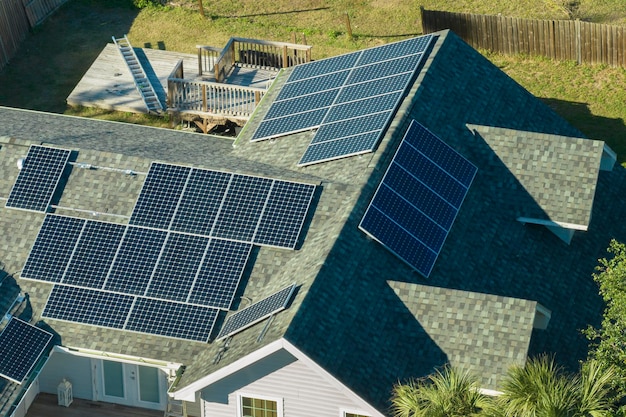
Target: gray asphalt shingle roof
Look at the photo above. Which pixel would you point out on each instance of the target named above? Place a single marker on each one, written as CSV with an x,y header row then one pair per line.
x,y
346,315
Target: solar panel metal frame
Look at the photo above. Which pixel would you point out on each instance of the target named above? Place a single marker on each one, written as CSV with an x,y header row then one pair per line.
x,y
51,184
10,364
415,125
247,317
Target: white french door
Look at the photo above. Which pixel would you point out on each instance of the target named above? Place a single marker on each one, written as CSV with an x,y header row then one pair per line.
x,y
130,384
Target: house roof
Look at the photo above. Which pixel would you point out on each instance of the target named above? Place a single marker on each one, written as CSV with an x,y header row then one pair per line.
x,y
345,315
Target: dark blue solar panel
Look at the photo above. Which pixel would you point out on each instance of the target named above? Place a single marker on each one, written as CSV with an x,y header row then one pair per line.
x,y
398,241
256,312
395,50
324,66
344,112
385,69
220,273
310,86
201,201
284,214
437,179
289,124
365,124
166,318
240,213
53,248
38,178
420,196
21,346
177,267
333,149
442,154
135,261
302,104
94,253
411,220
372,88
159,196
417,201
82,305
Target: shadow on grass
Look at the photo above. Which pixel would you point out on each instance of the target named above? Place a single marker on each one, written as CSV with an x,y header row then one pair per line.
x,y
315,9
611,131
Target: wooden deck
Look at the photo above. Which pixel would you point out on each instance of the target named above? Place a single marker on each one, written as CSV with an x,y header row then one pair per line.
x,y
108,83
45,405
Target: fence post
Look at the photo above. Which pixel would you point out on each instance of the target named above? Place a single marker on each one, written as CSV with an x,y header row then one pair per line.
x,y
578,43
285,63
200,61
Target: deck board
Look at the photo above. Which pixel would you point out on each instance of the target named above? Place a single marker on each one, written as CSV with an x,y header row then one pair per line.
x,y
45,405
108,83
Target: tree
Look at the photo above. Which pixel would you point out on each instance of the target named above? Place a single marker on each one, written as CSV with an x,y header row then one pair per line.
x,y
542,388
609,341
446,393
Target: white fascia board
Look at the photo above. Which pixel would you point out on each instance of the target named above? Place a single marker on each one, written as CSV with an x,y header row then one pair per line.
x,y
188,393
117,357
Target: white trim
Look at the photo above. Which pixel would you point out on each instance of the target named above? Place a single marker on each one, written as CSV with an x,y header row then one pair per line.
x,y
344,411
280,402
552,223
188,393
117,357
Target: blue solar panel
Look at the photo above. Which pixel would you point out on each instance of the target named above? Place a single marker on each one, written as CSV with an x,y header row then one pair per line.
x,y
87,306
284,214
53,248
93,255
136,260
38,178
177,268
394,50
302,104
165,318
346,111
240,213
289,124
221,271
417,201
21,347
345,146
324,66
256,312
201,201
377,81
372,88
160,195
322,83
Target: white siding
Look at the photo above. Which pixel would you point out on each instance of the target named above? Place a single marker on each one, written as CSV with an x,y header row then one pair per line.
x,y
305,393
76,369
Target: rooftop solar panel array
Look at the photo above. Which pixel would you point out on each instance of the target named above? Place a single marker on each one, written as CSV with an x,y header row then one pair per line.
x,y
350,99
38,179
419,198
21,347
225,205
256,312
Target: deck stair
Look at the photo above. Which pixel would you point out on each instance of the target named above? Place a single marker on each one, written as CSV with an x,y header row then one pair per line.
x,y
142,82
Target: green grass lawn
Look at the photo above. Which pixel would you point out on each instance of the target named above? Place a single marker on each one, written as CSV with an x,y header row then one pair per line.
x,y
56,55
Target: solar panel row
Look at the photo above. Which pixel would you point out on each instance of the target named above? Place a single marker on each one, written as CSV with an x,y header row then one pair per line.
x,y
38,178
138,261
21,347
419,198
131,313
256,312
349,91
218,204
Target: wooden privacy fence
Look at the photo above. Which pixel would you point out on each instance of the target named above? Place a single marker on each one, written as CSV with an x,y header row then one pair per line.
x,y
574,40
16,19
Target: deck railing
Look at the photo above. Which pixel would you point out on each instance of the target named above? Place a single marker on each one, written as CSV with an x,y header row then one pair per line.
x,y
252,52
207,58
209,98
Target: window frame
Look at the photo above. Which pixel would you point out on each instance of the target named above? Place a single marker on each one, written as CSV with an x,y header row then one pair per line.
x,y
277,400
345,411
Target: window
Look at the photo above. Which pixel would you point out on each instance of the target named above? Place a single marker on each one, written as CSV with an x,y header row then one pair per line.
x,y
259,407
347,414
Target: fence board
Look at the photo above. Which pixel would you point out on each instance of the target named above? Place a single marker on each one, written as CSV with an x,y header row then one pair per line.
x,y
583,42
